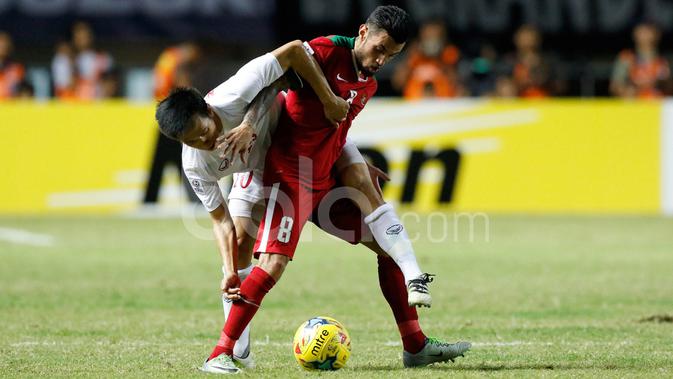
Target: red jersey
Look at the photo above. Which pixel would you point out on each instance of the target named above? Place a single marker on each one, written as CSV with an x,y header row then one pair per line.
x,y
303,129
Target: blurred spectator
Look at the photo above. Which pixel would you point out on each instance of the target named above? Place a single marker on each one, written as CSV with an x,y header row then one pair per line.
x,y
90,64
531,72
174,68
505,87
110,84
482,72
11,72
431,66
25,90
63,71
643,72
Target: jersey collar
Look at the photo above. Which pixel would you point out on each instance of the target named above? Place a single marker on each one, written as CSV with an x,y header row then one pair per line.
x,y
348,42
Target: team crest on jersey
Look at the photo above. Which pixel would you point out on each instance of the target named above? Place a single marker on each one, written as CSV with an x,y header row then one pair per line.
x,y
198,188
224,165
363,100
353,94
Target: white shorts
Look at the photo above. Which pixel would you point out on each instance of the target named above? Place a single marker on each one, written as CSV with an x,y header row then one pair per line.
x,y
247,188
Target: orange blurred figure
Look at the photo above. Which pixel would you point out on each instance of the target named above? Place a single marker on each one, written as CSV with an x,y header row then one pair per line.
x,y
171,71
90,64
641,72
431,67
11,72
531,72
63,71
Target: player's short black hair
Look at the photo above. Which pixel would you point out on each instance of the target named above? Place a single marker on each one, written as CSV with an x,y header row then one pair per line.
x,y
177,109
392,19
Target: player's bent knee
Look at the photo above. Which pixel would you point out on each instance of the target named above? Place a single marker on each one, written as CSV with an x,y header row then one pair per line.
x,y
356,176
273,264
245,245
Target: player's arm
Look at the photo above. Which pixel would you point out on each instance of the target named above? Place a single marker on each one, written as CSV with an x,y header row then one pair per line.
x,y
206,188
239,140
225,238
262,71
294,55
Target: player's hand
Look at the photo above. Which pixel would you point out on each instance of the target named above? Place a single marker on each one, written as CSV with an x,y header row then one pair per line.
x,y
376,173
336,110
231,286
237,142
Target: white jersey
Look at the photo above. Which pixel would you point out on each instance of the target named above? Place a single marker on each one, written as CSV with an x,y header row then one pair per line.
x,y
230,101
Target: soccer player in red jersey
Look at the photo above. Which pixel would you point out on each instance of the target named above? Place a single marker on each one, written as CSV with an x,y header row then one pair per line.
x,y
298,177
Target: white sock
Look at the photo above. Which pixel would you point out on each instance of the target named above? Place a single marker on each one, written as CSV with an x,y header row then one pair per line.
x,y
244,272
243,343
390,234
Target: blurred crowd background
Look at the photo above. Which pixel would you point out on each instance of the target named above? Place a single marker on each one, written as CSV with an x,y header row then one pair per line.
x,y
89,50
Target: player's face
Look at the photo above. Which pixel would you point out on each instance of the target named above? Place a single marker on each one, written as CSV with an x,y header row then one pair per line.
x,y
203,132
375,49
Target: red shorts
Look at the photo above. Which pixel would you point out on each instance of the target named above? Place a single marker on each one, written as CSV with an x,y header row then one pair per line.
x,y
288,207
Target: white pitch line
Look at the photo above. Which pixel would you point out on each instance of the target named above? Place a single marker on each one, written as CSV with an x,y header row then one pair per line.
x,y
25,237
94,198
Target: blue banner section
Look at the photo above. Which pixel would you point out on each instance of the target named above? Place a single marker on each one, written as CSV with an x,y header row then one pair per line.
x,y
41,21
568,25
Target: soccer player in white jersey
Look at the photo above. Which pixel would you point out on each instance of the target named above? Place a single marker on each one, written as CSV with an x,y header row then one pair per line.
x,y
205,126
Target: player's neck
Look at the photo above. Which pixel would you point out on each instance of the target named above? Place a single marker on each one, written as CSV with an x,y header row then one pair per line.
x,y
218,123
356,67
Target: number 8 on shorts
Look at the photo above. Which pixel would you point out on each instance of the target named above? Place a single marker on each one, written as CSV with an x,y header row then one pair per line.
x,y
285,229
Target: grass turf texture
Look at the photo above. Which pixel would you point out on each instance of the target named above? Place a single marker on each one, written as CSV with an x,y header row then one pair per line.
x,y
553,296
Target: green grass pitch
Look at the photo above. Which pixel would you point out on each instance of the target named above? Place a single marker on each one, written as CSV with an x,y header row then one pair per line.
x,y
546,296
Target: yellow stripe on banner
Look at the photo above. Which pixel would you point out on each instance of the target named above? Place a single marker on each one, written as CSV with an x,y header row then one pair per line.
x,y
53,149
531,156
579,157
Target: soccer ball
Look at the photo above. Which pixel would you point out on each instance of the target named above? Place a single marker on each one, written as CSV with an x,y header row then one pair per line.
x,y
321,343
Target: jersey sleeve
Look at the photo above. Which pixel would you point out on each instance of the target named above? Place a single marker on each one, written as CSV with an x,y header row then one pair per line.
x,y
321,48
247,82
205,187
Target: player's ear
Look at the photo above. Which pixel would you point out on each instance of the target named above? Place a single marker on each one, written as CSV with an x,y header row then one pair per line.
x,y
211,112
362,32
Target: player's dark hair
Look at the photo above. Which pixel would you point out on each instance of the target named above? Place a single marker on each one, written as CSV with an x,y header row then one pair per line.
x,y
392,19
175,112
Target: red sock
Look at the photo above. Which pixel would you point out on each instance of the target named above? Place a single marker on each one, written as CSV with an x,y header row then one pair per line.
x,y
253,290
394,290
